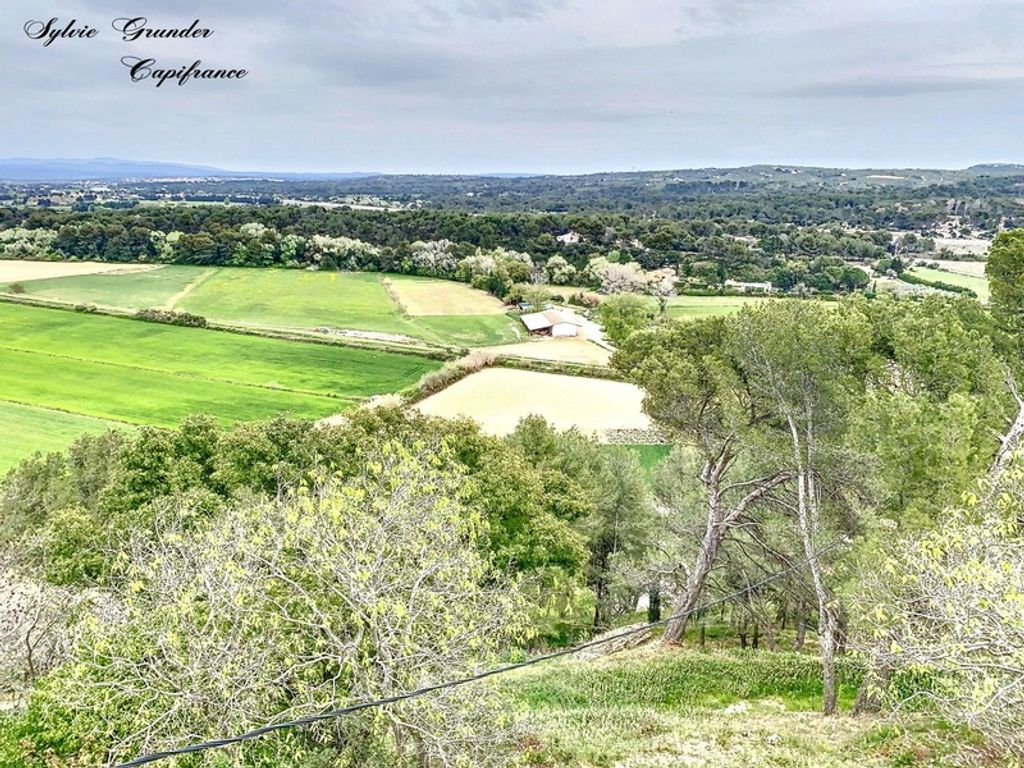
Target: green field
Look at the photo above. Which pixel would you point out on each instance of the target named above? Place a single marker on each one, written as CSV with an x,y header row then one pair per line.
x,y
649,456
276,298
130,290
26,429
977,284
707,306
147,373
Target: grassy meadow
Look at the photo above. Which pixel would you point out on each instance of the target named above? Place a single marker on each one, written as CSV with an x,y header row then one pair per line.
x,y
696,307
649,456
295,299
129,290
147,373
977,284
655,708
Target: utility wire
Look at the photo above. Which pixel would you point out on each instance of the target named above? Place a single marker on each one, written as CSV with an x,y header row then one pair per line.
x,y
344,711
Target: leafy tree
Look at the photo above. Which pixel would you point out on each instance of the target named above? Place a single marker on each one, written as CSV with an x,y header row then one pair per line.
x,y
1005,270
806,364
945,609
623,314
694,388
354,589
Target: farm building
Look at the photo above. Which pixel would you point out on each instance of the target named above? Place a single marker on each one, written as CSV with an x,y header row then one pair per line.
x,y
551,322
750,287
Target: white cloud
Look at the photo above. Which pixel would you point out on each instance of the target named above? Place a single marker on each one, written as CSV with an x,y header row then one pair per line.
x,y
493,85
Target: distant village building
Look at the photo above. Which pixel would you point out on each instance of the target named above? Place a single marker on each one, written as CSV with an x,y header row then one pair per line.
x,y
569,238
551,322
750,287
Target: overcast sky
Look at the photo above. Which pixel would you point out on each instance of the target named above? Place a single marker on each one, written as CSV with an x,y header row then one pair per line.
x,y
560,86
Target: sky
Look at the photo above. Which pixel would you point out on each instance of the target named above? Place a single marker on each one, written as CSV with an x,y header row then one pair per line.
x,y
562,86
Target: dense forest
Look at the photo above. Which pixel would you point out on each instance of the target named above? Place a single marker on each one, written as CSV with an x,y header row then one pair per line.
x,y
556,247
985,196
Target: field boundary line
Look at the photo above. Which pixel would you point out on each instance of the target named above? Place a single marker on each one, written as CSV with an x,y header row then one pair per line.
x,y
70,413
427,350
201,278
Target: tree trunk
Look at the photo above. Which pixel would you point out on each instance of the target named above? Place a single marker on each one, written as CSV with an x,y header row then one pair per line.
x,y
654,603
871,691
719,521
801,631
756,642
687,601
827,622
808,517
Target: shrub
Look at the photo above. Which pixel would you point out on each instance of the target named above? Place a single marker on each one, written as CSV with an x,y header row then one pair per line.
x,y
16,288
171,318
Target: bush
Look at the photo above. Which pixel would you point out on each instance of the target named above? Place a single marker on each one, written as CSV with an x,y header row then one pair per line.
x,y
16,288
171,318
444,377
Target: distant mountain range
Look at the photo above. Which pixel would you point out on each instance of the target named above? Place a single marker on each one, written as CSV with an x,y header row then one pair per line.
x,y
112,169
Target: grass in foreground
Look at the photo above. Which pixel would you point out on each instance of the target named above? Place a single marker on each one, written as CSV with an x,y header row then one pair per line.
x,y
655,707
25,429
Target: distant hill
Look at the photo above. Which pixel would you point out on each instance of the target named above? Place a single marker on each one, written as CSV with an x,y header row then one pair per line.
x,y
113,169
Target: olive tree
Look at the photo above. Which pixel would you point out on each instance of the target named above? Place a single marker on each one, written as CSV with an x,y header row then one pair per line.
x,y
947,606
341,592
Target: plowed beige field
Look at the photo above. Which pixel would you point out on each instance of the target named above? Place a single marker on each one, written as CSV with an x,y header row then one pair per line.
x,y
14,270
499,397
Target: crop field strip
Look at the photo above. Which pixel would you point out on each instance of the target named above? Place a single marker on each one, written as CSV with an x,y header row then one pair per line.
x,y
290,299
71,365
977,284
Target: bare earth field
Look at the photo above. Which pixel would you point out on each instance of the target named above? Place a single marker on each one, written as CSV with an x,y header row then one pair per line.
x,y
975,246
559,350
499,397
15,270
423,298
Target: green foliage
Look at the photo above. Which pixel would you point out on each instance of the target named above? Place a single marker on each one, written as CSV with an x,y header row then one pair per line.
x,y
684,680
350,590
623,314
171,318
1005,270
916,277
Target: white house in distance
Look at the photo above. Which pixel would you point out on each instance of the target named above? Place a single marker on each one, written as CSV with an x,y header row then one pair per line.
x,y
750,287
551,322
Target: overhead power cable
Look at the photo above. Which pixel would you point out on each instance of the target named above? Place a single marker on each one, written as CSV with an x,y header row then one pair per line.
x,y
458,682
